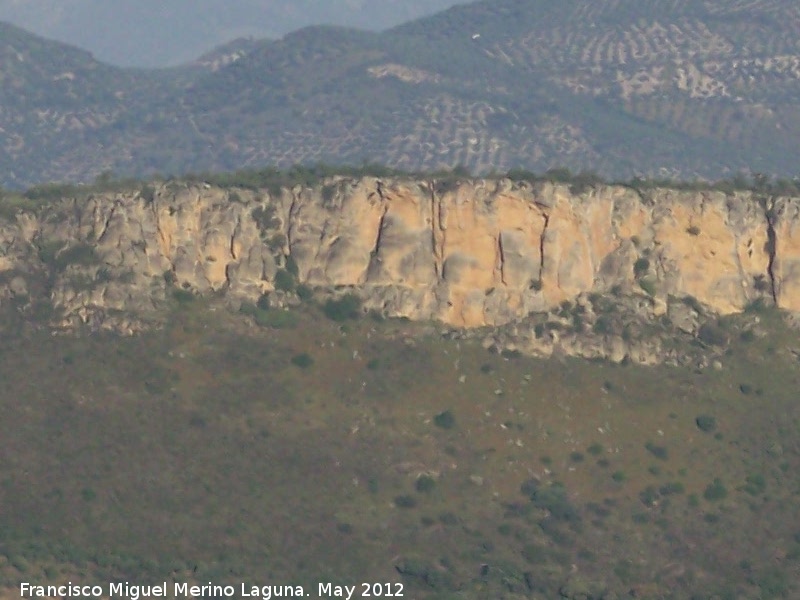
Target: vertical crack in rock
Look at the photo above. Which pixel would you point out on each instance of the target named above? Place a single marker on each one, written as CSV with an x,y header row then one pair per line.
x,y
379,236
200,241
290,220
289,225
232,250
107,221
379,190
228,277
437,257
236,231
541,245
501,258
376,248
768,205
162,238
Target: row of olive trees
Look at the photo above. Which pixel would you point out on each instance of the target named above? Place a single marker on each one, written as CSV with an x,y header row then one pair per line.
x,y
273,180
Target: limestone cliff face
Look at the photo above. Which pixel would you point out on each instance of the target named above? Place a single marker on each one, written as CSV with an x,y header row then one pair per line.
x,y
487,252
478,253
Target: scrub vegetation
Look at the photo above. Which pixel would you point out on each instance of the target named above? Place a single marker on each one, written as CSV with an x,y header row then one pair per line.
x,y
218,450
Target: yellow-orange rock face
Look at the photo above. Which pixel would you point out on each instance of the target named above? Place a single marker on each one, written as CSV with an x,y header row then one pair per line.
x,y
475,253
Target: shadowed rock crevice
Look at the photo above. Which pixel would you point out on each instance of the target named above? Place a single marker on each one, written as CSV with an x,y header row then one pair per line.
x,y
375,257
768,205
438,262
501,259
542,239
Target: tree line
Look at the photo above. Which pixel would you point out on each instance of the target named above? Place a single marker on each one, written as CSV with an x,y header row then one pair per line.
x,y
273,180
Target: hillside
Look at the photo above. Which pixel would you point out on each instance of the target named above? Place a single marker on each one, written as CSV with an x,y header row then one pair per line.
x,y
376,379
692,89
150,33
298,378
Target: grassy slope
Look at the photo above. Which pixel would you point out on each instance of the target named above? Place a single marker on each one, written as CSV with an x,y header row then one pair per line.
x,y
204,446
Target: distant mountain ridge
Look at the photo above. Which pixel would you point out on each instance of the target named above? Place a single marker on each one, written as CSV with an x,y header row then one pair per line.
x,y
685,88
153,33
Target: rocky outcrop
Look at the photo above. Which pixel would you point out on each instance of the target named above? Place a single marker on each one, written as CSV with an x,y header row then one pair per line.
x,y
470,254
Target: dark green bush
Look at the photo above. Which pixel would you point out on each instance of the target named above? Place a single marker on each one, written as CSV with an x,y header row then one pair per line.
x,y
534,554
660,452
345,528
715,491
275,318
755,484
640,267
595,449
265,218
263,302
648,286
170,278
693,303
603,325
551,528
674,487
55,255
760,283
291,266
284,281
554,500
747,336
147,193
405,501
425,484
53,191
774,582
304,360
529,487
183,296
346,307
445,420
448,518
712,334
304,292
649,496
706,423
757,306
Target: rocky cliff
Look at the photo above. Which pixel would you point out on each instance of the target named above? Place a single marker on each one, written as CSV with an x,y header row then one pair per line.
x,y
470,254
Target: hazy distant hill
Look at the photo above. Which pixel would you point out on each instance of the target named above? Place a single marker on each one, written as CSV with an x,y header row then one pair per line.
x,y
155,33
681,88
